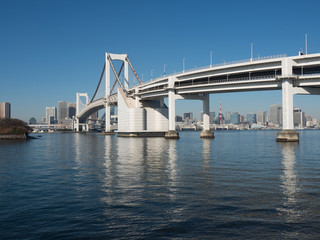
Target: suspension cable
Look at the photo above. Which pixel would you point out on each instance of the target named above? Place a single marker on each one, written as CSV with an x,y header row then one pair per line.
x,y
134,72
103,69
115,82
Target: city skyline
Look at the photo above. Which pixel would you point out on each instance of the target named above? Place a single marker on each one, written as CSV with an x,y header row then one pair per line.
x,y
57,48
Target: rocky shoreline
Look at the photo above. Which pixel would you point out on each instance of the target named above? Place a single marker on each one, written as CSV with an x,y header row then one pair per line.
x,y
4,136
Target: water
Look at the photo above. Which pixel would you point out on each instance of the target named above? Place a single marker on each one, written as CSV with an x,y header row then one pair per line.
x,y
240,185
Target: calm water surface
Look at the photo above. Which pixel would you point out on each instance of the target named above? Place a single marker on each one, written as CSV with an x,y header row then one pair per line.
x,y
240,185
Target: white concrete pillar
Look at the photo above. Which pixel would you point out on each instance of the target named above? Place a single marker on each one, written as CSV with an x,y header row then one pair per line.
x,y
107,94
206,112
287,104
172,110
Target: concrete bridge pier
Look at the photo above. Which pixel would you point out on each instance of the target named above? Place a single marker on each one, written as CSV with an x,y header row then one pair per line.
x,y
172,133
288,133
206,133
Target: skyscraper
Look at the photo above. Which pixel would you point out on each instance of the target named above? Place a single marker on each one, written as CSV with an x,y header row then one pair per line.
x,y
262,117
299,117
62,111
72,110
228,117
235,118
251,118
51,115
276,114
188,116
211,117
5,110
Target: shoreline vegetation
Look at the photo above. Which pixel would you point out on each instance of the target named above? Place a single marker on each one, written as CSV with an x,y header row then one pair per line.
x,y
14,129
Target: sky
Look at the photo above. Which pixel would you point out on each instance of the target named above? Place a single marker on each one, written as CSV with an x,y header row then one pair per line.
x,y
50,50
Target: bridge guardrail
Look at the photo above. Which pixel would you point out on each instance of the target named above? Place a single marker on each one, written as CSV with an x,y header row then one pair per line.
x,y
217,65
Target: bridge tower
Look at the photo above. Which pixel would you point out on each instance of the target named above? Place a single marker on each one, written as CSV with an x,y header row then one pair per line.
x,y
108,91
76,120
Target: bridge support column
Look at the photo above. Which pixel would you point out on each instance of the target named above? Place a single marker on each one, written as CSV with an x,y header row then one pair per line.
x,y
107,106
172,133
288,134
206,133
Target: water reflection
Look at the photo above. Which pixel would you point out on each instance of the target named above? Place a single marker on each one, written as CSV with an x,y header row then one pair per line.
x,y
290,183
206,153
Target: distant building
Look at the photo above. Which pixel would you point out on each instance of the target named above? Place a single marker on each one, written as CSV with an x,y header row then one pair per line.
x,y
32,121
299,118
51,115
179,119
5,110
251,118
62,111
276,114
188,117
72,110
262,117
235,118
228,117
211,117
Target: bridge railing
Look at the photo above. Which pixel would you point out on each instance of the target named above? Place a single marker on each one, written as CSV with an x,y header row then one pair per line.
x,y
224,80
217,65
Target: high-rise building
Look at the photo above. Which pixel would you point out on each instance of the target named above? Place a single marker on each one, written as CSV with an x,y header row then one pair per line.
x,y
51,115
72,110
62,111
188,116
5,110
235,118
276,114
262,117
211,117
178,118
299,117
251,118
228,117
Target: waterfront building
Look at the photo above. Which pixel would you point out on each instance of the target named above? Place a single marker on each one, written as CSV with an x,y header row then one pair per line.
x,y
262,117
211,117
242,119
179,119
51,115
276,114
5,110
315,122
72,110
251,118
188,117
298,117
228,117
235,118
32,121
62,111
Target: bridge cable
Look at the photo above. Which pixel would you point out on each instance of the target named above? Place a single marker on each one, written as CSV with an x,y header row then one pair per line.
x,y
115,73
118,76
103,70
134,72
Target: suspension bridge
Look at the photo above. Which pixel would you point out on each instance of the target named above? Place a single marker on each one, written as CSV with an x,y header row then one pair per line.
x,y
142,111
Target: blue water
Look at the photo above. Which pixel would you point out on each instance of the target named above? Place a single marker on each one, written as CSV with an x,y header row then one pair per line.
x,y
240,185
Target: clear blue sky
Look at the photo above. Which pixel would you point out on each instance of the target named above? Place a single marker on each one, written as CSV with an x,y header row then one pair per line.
x,y
49,50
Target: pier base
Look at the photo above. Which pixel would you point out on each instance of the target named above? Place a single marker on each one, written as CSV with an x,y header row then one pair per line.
x,y
206,134
107,133
171,134
288,136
